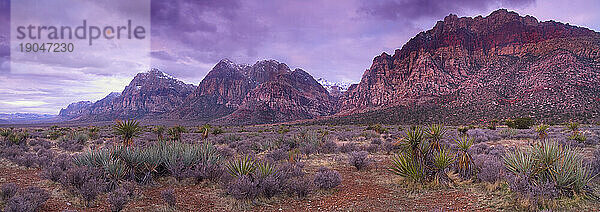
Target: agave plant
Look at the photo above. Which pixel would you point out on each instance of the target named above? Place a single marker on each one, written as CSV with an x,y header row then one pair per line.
x,y
404,165
127,130
542,131
242,166
465,161
435,133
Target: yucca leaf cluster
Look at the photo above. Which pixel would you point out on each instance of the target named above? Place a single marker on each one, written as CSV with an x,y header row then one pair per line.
x,y
423,158
127,129
550,162
142,163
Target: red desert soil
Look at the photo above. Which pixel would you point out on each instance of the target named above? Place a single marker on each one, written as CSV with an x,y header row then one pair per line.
x,y
368,190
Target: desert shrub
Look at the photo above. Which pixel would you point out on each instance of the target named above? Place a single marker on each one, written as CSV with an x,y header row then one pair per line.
x,y
347,147
84,181
26,159
359,159
378,128
8,190
463,130
489,167
159,131
579,137
328,147
118,199
73,142
299,186
57,167
243,188
549,162
217,131
520,123
308,148
28,199
372,148
226,152
327,178
169,197
277,155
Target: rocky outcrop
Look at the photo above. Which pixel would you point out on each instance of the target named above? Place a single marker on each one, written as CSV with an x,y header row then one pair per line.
x,y
150,93
497,66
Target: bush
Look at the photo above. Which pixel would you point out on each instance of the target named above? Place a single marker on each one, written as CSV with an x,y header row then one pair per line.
x,y
377,128
327,179
118,199
359,159
299,186
29,199
520,123
243,188
328,147
277,155
489,168
168,196
8,190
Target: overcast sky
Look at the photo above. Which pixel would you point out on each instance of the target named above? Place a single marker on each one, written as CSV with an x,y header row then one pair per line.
x,y
333,39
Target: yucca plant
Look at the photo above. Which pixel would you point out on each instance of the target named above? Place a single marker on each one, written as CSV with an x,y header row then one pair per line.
x,y
244,165
573,127
159,131
127,130
175,132
551,162
464,159
442,160
542,131
264,169
435,133
404,165
413,142
93,132
579,137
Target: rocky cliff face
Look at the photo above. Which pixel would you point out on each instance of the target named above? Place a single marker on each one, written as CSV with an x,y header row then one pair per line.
x,y
266,92
499,66
148,94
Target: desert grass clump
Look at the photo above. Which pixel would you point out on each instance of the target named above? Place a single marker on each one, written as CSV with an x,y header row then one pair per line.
x,y
359,159
550,163
127,129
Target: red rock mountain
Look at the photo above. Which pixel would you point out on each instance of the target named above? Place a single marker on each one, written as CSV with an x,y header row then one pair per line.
x,y
149,94
266,92
499,66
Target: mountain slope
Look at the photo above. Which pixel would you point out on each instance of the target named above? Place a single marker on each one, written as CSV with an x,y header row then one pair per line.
x,y
498,66
149,94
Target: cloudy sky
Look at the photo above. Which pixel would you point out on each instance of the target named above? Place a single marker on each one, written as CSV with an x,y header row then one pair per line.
x,y
334,39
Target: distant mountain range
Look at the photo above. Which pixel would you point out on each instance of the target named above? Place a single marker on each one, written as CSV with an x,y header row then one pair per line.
x,y
25,118
462,70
